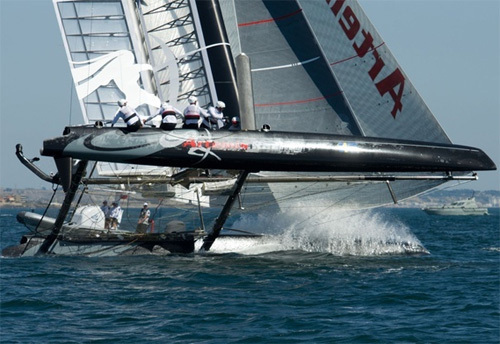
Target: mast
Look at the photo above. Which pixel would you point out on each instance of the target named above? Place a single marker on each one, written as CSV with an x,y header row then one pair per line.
x,y
245,92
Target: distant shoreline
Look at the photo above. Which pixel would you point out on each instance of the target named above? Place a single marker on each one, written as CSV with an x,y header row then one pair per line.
x,y
38,198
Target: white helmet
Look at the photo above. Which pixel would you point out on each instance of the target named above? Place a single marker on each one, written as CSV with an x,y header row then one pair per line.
x,y
192,100
221,105
122,102
235,120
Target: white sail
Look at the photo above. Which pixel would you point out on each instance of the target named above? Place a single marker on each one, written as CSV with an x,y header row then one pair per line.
x,y
146,54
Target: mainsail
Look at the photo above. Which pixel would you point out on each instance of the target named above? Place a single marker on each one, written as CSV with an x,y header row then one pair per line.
x,y
320,66
317,66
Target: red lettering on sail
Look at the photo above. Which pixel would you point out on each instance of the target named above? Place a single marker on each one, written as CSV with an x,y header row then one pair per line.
x,y
393,84
389,84
336,6
377,67
366,46
351,24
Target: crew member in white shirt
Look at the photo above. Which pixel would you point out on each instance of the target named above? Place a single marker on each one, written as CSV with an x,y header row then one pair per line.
x,y
105,209
115,215
193,114
168,114
143,222
128,115
216,116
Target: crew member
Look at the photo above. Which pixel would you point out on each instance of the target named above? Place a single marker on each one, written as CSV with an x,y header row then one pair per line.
x,y
235,124
115,213
216,118
143,222
193,113
128,115
168,114
105,209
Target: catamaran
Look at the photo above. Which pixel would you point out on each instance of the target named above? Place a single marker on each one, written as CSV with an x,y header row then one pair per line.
x,y
327,115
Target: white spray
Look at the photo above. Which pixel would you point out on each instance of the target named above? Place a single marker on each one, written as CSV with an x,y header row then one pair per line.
x,y
337,232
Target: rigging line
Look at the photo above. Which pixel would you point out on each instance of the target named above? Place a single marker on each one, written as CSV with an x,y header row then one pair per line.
x,y
322,191
262,205
45,212
329,207
458,182
71,88
284,199
290,195
200,49
129,220
240,231
86,105
85,187
156,210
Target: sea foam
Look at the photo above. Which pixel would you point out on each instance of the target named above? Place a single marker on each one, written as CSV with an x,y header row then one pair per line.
x,y
337,232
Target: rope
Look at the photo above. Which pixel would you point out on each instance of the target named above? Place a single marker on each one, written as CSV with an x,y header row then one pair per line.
x,y
46,209
39,222
329,207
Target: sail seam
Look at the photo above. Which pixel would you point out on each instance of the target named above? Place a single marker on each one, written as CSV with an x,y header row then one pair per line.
x,y
270,20
300,101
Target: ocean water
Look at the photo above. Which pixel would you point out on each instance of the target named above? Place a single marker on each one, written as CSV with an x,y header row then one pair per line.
x,y
344,278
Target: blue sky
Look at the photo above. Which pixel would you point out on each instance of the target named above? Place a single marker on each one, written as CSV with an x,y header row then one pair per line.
x,y
449,49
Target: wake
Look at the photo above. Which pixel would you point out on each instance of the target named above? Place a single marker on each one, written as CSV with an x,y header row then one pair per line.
x,y
336,232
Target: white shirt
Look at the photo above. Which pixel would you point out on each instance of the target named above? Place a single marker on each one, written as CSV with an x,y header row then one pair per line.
x,y
193,113
114,212
170,114
216,116
126,112
144,216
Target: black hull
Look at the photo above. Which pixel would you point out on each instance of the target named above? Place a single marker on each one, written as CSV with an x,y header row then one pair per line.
x,y
260,151
85,242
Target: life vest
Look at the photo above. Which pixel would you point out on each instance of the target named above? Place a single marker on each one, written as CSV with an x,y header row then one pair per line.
x,y
169,116
130,120
192,114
